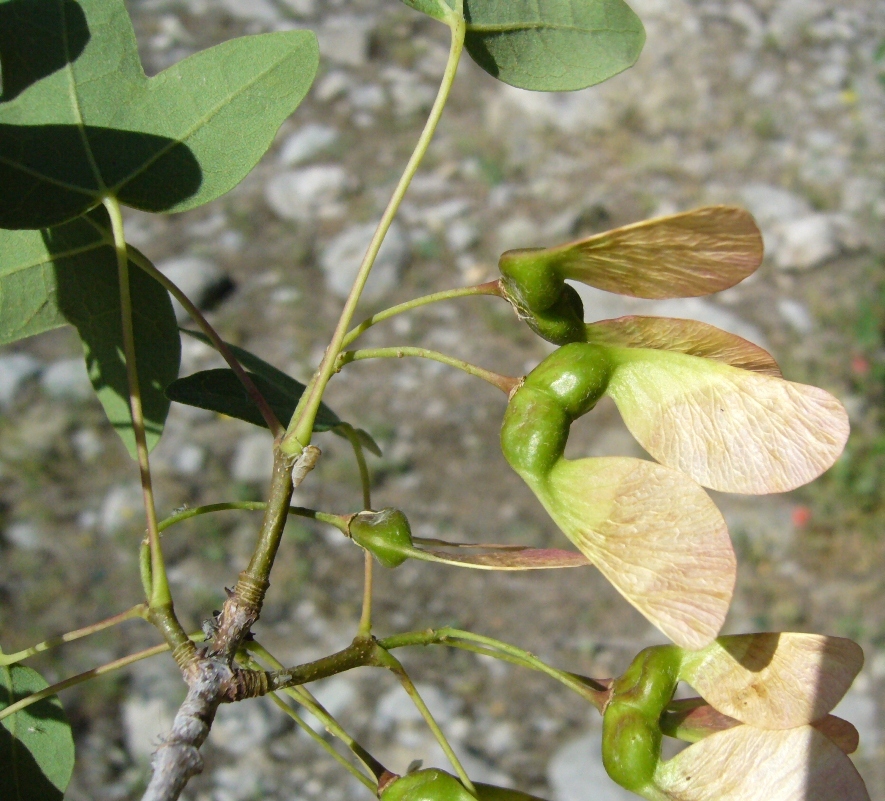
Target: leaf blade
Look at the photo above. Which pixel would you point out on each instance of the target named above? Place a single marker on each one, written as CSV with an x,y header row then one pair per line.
x,y
36,745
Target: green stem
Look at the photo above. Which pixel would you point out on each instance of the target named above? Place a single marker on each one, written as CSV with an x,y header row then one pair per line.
x,y
595,692
275,426
139,610
396,667
490,288
503,382
304,697
324,744
300,430
110,667
255,506
160,599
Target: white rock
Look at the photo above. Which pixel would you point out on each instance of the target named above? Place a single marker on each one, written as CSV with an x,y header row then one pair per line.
x,y
791,17
25,534
410,95
67,379
303,8
861,709
336,695
576,773
341,258
395,707
145,722
367,97
122,508
805,242
771,204
461,236
518,232
344,39
200,279
253,458
796,315
188,460
241,728
263,11
301,195
306,143
15,370
331,86
87,444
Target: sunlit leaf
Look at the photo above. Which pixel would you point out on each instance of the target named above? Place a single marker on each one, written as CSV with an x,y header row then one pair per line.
x,y
220,391
695,253
731,430
553,46
438,9
750,764
774,680
654,534
82,120
683,336
68,275
36,746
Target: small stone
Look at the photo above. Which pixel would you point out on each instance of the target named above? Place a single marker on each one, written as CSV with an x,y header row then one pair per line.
x,y
262,11
253,459
303,194
368,97
336,695
771,204
344,39
341,258
145,722
123,508
87,444
518,232
805,243
67,379
576,773
188,460
790,19
395,707
332,86
24,534
303,8
241,728
860,709
306,143
201,280
461,236
796,314
15,370
410,95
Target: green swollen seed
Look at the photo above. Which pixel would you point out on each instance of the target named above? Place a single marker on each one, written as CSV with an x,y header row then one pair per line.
x,y
534,432
384,534
576,375
437,785
631,731
561,323
529,279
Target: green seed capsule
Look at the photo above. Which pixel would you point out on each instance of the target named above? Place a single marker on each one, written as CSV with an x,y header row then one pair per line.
x,y
534,432
437,785
561,323
383,534
576,375
631,732
530,281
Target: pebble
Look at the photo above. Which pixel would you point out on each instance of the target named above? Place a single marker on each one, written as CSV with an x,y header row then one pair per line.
x,y
306,143
15,370
67,379
336,695
340,260
344,39
241,728
805,243
860,708
122,509
410,96
145,722
204,283
25,534
796,315
575,772
395,708
252,461
309,192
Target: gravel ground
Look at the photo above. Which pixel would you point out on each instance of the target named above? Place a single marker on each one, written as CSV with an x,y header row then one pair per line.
x,y
777,105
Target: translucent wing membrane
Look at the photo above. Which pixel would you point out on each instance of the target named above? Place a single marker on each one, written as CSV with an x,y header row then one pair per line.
x,y
774,681
729,429
683,336
750,764
694,253
654,534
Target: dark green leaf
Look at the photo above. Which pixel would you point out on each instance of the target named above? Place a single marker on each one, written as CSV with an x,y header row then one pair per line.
x,y
433,8
68,275
79,119
553,45
36,746
221,391
368,442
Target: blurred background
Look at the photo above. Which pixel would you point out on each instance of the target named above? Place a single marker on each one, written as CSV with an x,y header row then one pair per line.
x,y
775,105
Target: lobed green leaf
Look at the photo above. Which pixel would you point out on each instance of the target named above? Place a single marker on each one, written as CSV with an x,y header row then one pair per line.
x,y
36,745
79,119
68,274
554,45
